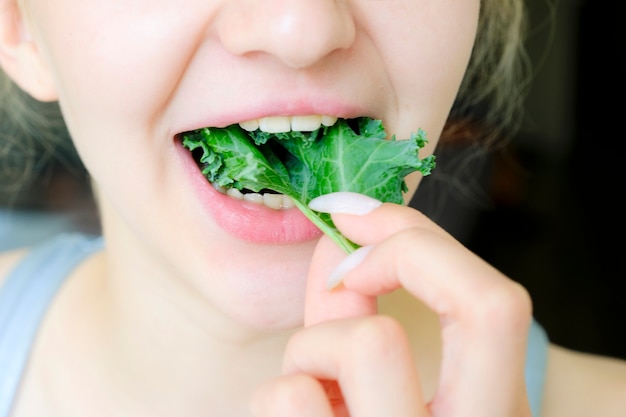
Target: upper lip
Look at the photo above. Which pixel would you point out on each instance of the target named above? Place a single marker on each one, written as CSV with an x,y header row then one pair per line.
x,y
297,106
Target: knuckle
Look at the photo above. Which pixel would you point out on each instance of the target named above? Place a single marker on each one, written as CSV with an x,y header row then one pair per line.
x,y
508,305
378,336
293,394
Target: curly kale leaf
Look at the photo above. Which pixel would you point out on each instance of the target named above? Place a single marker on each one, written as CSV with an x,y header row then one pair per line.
x,y
351,155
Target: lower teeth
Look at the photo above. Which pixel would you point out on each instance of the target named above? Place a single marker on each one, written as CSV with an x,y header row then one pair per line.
x,y
273,201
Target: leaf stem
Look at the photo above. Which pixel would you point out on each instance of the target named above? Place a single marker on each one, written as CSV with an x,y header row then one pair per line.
x,y
329,229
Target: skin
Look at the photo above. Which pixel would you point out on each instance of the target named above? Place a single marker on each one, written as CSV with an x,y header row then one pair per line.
x,y
229,323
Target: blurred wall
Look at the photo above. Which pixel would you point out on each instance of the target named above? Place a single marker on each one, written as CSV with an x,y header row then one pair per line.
x,y
556,224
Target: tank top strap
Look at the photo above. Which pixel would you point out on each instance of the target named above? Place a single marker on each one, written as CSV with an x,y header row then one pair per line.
x,y
536,364
24,299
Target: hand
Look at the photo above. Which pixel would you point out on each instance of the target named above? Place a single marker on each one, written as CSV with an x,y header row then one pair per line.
x,y
351,361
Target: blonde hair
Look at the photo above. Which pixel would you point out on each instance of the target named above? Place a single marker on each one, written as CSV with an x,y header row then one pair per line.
x,y
490,100
32,134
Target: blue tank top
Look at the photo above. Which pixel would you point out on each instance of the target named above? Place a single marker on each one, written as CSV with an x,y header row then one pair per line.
x,y
31,286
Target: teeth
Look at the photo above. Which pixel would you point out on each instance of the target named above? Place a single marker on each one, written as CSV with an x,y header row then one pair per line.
x,y
306,123
273,201
250,125
232,192
329,120
280,124
275,124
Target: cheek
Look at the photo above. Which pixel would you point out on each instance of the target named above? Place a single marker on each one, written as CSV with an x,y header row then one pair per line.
x,y
100,50
412,181
428,58
428,65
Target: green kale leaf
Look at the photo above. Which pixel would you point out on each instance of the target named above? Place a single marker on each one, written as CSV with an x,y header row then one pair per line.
x,y
352,155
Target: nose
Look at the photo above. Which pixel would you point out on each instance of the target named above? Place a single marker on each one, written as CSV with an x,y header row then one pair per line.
x,y
297,32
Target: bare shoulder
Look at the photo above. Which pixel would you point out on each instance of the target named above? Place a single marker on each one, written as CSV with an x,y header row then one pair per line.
x,y
582,384
8,260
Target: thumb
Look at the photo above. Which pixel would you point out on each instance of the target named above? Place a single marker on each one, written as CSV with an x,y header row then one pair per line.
x,y
323,304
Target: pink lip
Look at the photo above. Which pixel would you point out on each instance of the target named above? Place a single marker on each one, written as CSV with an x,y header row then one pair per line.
x,y
248,221
293,107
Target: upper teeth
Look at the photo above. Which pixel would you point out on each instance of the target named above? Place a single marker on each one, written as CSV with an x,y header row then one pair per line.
x,y
280,124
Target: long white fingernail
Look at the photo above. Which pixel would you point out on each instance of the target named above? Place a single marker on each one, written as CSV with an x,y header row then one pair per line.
x,y
344,202
345,266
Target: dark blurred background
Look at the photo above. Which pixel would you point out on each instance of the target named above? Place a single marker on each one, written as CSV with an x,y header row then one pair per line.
x,y
548,212
545,210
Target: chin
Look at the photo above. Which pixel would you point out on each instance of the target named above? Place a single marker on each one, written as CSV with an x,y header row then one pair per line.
x,y
271,310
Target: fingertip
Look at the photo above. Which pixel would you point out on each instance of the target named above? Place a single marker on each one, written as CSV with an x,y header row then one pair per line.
x,y
344,202
348,264
322,304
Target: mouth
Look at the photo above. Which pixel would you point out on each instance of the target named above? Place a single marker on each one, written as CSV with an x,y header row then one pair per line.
x,y
263,131
282,162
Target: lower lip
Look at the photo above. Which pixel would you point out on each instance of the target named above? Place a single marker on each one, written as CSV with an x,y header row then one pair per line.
x,y
251,222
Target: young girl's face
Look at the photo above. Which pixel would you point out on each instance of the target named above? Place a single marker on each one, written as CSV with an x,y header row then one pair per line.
x,y
132,75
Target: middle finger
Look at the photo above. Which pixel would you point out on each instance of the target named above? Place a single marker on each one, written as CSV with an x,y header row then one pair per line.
x,y
369,357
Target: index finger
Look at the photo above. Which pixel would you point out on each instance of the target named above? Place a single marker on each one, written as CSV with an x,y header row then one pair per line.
x,y
485,316
320,303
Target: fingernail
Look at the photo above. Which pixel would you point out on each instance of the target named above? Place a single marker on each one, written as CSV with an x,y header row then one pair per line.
x,y
344,202
347,265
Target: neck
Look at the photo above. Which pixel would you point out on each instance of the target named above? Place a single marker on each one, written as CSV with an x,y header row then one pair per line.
x,y
151,336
